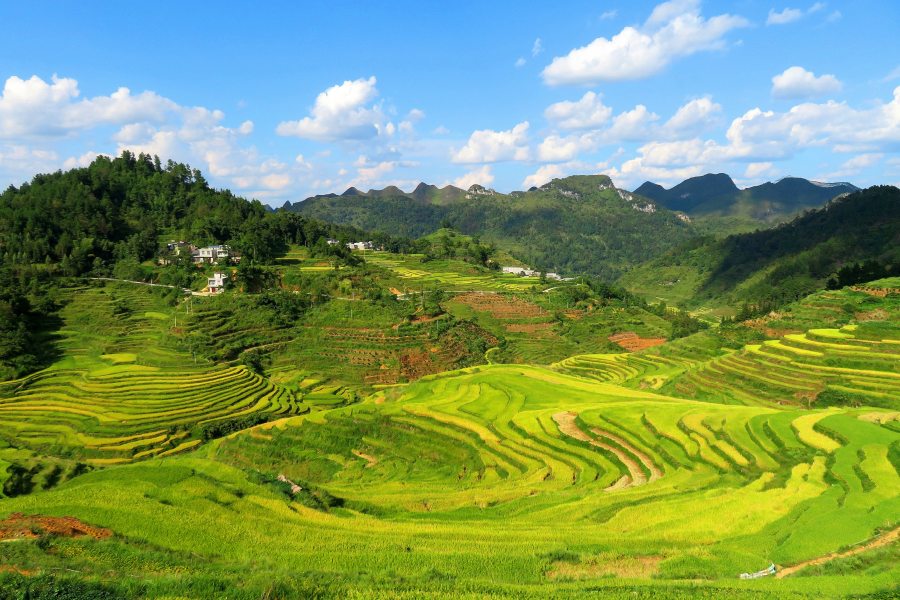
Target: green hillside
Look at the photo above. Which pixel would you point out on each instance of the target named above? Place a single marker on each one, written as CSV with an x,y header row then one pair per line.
x,y
716,195
577,225
779,264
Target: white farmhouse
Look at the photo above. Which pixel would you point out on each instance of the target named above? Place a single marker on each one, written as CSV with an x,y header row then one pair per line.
x,y
211,254
217,282
361,245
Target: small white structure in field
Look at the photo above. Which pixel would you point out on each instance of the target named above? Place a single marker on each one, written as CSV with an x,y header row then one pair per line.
x,y
758,574
331,242
217,282
361,245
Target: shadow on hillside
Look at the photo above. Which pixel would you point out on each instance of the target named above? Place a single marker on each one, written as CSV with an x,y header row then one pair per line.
x,y
47,348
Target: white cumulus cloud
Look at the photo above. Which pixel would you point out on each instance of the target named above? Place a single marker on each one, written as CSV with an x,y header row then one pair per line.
x,y
544,174
798,83
587,113
855,165
82,161
766,136
754,170
33,108
591,126
340,114
674,30
487,146
694,118
481,176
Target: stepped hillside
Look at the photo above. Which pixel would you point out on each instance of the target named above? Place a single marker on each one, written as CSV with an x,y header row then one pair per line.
x,y
580,224
779,264
716,195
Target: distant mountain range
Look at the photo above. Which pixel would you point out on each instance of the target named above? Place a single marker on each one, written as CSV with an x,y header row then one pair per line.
x,y
580,224
424,193
716,195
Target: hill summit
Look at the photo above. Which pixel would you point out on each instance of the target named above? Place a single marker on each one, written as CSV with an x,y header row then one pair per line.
x,y
715,195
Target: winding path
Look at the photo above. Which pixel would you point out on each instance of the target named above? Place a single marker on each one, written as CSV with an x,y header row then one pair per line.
x,y
884,540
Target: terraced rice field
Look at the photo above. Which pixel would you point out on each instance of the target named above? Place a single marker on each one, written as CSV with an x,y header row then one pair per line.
x,y
798,368
487,472
124,388
124,412
410,271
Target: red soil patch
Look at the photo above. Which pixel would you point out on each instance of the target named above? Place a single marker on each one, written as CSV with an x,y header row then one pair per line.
x,y
527,327
633,342
762,324
501,307
18,525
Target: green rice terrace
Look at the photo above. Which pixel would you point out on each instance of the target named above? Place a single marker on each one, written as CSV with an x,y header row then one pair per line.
x,y
331,438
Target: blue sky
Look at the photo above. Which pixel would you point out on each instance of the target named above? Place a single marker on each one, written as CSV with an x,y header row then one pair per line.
x,y
279,101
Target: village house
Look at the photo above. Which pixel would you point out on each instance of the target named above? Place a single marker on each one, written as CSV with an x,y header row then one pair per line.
x,y
216,283
212,254
331,242
176,247
361,245
525,272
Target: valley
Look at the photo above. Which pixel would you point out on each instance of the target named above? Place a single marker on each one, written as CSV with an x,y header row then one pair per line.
x,y
408,420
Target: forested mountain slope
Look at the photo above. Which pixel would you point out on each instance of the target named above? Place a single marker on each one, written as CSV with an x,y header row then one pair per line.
x,y
89,218
580,224
783,263
715,195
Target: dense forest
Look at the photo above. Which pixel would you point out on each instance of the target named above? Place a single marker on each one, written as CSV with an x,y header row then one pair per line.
x,y
117,210
577,225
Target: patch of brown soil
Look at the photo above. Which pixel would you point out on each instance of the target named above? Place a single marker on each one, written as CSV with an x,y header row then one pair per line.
x,y
655,473
633,342
527,327
18,525
501,307
573,313
372,460
631,567
881,293
14,569
884,540
872,315
761,324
